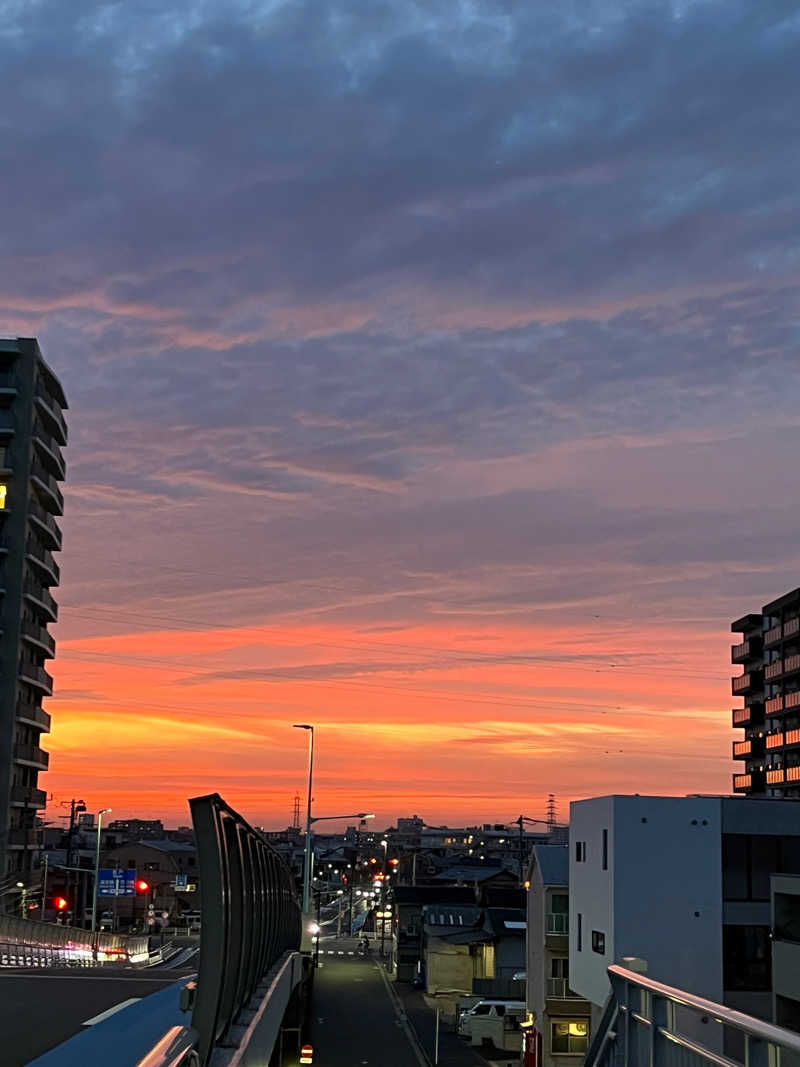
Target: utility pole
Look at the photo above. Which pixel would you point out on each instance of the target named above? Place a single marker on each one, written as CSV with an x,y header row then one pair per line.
x,y
519,822
44,886
551,812
296,814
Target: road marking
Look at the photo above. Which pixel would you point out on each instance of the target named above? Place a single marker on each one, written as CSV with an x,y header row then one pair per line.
x,y
97,977
400,1013
111,1011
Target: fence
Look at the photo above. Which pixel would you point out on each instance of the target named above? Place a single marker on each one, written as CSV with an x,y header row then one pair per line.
x,y
31,943
250,918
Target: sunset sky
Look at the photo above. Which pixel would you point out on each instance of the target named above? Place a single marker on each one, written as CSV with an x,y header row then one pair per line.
x,y
433,377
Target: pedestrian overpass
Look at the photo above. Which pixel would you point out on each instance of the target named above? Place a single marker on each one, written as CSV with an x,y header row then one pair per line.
x,y
247,1004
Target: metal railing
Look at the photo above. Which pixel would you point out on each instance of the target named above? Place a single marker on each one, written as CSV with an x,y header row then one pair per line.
x,y
647,1023
32,943
557,923
250,918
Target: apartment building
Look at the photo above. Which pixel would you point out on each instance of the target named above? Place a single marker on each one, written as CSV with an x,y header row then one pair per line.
x,y
769,685
682,883
561,1018
32,434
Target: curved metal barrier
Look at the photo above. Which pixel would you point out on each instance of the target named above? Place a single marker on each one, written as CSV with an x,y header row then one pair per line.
x,y
32,943
250,917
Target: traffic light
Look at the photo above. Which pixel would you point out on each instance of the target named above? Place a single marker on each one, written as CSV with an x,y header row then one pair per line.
x,y
394,863
60,903
142,886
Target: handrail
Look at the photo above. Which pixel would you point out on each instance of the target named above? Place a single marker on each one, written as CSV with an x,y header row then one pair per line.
x,y
775,1035
175,1049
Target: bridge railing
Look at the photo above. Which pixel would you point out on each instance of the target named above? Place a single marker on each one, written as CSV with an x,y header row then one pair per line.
x,y
250,918
32,943
649,1024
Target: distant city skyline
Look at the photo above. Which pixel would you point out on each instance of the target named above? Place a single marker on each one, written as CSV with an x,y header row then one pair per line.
x,y
432,378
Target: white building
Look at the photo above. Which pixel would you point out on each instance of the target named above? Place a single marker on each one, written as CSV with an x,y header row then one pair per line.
x,y
682,883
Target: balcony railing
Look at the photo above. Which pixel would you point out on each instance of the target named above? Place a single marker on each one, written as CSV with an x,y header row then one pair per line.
x,y
775,740
792,700
741,716
39,636
53,416
37,592
33,715
791,737
742,749
793,774
46,479
23,796
558,989
744,682
775,776
742,782
791,626
32,754
24,838
35,675
772,670
50,451
774,705
46,520
773,635
44,558
557,923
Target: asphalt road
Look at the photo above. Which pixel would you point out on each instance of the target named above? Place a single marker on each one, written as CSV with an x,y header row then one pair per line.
x,y
356,1021
40,1009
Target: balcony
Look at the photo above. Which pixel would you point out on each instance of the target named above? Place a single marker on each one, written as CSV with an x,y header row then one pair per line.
x,y
742,783
8,395
46,525
775,776
50,453
24,838
41,597
793,774
34,675
791,627
558,989
746,650
52,417
775,740
43,559
31,756
773,670
774,705
751,714
746,683
33,715
792,700
24,796
787,665
47,485
791,737
773,635
38,636
751,746
557,923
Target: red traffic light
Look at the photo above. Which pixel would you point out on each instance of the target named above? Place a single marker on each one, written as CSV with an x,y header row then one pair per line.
x,y
142,886
394,863
61,903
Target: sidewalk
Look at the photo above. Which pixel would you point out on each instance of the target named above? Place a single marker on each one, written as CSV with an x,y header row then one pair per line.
x,y
453,1051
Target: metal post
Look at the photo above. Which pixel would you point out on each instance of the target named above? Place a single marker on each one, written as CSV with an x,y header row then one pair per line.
x,y
100,815
44,886
350,911
436,1039
307,856
521,853
319,924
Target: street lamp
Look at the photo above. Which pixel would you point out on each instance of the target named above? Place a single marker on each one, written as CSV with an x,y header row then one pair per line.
x,y
311,821
307,855
100,815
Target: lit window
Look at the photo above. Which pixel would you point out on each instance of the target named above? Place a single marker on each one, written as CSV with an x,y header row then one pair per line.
x,y
3,491
570,1036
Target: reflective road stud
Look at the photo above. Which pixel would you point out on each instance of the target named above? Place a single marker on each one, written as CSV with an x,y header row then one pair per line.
x,y
306,1054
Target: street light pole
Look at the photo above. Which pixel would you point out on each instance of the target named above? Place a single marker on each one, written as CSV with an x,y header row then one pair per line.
x,y
100,815
307,856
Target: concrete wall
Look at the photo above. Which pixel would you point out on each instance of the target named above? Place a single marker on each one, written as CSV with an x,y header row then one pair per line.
x,y
660,898
448,967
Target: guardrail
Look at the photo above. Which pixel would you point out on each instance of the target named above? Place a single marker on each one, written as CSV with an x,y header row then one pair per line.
x,y
32,943
647,1023
250,918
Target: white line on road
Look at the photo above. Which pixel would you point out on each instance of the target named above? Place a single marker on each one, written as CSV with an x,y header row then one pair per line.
x,y
111,1011
89,976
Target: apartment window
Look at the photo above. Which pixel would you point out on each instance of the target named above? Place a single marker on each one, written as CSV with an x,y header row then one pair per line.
x,y
605,850
559,967
569,1036
3,492
580,851
746,959
599,942
580,932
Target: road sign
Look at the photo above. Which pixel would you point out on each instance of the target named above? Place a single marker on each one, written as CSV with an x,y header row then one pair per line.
x,y
181,881
116,882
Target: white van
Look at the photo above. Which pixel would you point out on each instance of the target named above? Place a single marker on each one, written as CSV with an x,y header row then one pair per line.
x,y
494,1022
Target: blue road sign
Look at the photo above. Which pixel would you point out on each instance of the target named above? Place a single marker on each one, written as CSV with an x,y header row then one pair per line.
x,y
116,882
181,881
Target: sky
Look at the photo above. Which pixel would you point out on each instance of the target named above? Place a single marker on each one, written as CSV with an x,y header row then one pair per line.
x,y
432,371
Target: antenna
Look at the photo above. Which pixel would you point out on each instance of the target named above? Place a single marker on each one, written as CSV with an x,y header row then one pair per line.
x,y
296,815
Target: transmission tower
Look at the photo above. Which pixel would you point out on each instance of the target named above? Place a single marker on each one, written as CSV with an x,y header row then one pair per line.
x,y
551,812
296,815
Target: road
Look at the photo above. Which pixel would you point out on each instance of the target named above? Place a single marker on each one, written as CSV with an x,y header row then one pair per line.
x,y
40,1009
356,1019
